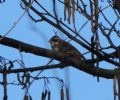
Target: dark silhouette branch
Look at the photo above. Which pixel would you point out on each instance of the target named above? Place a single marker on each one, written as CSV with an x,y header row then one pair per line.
x,y
26,47
5,83
32,69
99,31
105,73
84,66
99,54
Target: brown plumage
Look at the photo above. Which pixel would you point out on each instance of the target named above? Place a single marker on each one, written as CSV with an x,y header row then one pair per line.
x,y
64,48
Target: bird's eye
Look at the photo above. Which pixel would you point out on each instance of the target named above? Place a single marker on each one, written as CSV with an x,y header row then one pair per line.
x,y
55,40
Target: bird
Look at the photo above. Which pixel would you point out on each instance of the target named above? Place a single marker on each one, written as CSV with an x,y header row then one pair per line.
x,y
64,48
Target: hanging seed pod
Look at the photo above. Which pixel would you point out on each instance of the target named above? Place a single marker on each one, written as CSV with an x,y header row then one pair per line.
x,y
97,48
114,87
30,97
91,11
45,93
43,96
69,12
118,87
62,94
67,94
73,11
25,97
67,9
49,94
77,4
96,13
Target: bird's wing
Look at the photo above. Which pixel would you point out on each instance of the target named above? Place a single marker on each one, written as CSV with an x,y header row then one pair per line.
x,y
72,50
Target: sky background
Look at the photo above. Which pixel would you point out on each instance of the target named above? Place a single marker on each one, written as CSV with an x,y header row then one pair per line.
x,y
82,86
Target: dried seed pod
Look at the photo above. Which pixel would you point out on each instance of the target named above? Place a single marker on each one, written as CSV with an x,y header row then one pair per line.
x,y
62,94
30,97
114,87
118,87
69,14
77,4
49,94
73,11
67,94
45,93
25,97
96,16
67,9
43,96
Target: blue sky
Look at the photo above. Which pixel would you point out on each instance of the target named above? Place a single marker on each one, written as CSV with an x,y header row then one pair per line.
x,y
82,85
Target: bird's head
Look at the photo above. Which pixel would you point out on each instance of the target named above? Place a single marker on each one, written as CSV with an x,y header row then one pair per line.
x,y
54,40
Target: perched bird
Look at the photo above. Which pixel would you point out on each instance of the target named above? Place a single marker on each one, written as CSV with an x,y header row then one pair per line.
x,y
64,48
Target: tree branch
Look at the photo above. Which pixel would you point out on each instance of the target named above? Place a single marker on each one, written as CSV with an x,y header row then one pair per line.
x,y
102,55
32,69
84,66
